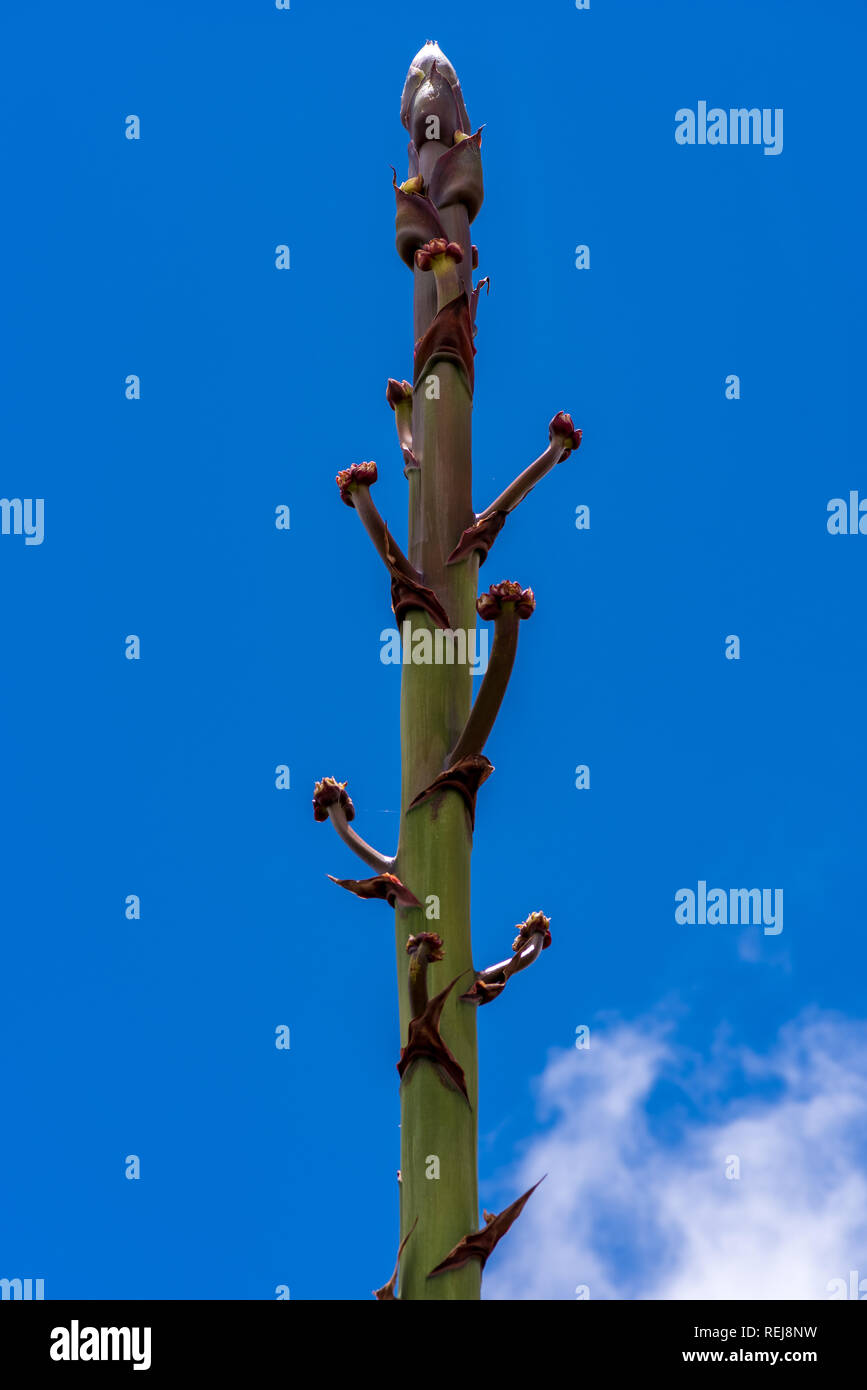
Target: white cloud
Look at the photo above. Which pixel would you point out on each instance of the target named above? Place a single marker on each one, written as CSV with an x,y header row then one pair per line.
x,y
636,1203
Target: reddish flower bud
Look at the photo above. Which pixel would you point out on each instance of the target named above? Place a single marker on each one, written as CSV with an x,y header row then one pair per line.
x,y
330,792
397,392
562,428
475,257
433,253
537,924
490,605
429,939
359,475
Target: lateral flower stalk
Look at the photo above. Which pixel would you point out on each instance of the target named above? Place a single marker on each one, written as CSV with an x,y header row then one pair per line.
x,y
399,397
407,590
507,604
422,949
331,801
534,937
442,257
563,440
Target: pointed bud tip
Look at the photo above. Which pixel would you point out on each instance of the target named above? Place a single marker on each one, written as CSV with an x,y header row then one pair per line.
x,y
429,62
431,53
398,392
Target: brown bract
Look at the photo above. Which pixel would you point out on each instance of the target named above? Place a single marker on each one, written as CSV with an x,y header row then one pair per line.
x,y
484,991
450,339
357,475
407,593
457,176
490,604
464,777
387,1291
424,1043
416,222
480,536
385,887
479,1245
330,792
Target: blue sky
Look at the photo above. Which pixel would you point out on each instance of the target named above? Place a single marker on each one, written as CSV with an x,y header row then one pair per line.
x,y
261,647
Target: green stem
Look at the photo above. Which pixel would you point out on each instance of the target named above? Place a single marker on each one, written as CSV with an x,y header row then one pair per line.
x,y
434,855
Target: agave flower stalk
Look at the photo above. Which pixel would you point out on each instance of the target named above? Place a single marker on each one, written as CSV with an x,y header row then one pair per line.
x,y
441,1247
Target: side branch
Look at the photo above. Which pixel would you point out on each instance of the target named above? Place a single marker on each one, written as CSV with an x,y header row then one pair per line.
x,y
526,481
399,396
331,801
407,590
354,484
442,257
422,950
564,438
507,604
534,937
